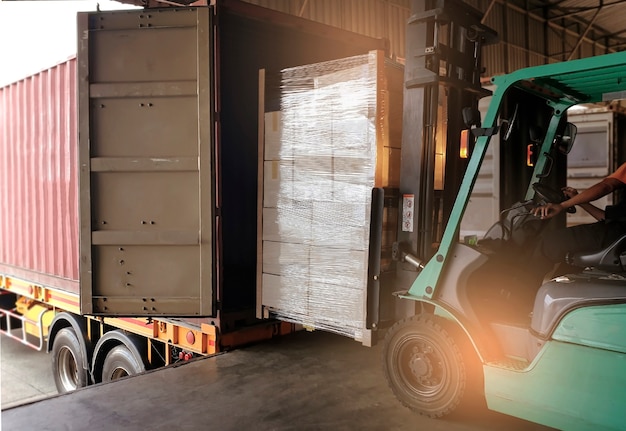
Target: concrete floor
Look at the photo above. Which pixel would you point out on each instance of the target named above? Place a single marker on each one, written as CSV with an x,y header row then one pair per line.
x,y
305,381
26,374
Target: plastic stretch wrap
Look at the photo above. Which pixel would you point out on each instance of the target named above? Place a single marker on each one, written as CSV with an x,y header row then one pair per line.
x,y
319,171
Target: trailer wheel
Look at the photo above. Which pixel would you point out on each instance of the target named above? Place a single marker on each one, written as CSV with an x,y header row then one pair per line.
x,y
424,366
119,363
67,360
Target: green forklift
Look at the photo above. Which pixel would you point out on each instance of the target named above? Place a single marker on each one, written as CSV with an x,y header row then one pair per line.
x,y
553,350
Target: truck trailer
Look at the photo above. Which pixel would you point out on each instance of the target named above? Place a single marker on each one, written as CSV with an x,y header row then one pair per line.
x,y
163,105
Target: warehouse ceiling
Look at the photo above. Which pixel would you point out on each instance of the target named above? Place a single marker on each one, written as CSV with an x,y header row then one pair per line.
x,y
598,20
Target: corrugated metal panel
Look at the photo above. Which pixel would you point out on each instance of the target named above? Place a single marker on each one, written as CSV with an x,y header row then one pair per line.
x,y
375,18
570,44
398,17
556,47
523,33
536,59
492,55
516,28
38,178
517,58
536,37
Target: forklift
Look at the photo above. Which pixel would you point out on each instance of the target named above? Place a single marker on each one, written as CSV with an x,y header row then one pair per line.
x,y
478,322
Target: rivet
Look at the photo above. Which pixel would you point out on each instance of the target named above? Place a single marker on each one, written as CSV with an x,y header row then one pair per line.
x,y
429,290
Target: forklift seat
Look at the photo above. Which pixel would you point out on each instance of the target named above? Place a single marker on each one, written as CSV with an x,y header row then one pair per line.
x,y
610,259
561,295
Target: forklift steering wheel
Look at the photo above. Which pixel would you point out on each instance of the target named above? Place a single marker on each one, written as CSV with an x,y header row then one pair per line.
x,y
550,195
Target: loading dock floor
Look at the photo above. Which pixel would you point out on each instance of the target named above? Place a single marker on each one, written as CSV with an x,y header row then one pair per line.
x,y
304,381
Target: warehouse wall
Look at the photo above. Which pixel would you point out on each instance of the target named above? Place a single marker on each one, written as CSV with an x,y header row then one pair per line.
x,y
526,39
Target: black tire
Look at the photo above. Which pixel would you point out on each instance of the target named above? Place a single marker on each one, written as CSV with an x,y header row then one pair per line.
x,y
120,362
425,367
67,362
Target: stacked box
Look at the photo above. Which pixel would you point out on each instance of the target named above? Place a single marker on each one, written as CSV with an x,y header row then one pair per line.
x,y
325,151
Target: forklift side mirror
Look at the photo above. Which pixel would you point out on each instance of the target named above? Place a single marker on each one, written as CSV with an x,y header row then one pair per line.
x,y
510,124
566,141
471,117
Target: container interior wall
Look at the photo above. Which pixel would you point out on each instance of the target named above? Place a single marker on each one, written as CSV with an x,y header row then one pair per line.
x,y
38,178
246,45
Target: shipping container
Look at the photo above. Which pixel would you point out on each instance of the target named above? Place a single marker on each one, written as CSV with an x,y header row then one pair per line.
x,y
38,178
174,124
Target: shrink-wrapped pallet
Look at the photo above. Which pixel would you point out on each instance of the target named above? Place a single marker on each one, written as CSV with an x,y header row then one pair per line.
x,y
325,151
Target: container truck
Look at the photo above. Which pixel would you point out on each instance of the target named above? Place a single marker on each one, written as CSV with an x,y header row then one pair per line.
x,y
144,148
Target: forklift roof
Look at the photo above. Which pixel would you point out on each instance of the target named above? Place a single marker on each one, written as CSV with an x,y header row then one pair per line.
x,y
588,80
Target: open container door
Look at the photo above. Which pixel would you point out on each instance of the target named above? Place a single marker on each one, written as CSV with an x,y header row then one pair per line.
x,y
146,162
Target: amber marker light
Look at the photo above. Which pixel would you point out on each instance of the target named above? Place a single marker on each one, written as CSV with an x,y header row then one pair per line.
x,y
464,147
529,155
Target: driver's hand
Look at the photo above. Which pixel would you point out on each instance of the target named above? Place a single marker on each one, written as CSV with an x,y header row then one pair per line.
x,y
569,192
547,211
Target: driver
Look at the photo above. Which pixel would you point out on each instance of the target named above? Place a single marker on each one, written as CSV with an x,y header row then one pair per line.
x,y
554,245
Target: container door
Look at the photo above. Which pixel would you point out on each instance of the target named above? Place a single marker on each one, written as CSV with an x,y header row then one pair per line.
x,y
146,163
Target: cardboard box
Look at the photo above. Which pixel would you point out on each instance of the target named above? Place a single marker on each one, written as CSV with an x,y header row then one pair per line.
x,y
289,223
338,131
346,269
273,137
277,182
349,237
286,259
286,293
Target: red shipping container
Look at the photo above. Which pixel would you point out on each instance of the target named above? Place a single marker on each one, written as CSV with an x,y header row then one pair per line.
x,y
39,178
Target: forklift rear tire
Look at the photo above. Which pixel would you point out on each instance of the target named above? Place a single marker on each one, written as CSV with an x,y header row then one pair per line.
x,y
424,365
120,362
67,362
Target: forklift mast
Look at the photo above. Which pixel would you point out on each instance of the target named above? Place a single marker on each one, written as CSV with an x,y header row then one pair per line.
x,y
442,76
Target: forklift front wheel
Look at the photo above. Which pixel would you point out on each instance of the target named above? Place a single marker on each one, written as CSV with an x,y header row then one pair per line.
x,y
424,365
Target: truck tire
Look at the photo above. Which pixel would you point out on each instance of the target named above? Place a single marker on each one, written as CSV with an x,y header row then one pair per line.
x,y
67,360
120,362
424,365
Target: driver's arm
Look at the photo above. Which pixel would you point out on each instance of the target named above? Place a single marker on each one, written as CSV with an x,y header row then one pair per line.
x,y
594,192
593,210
